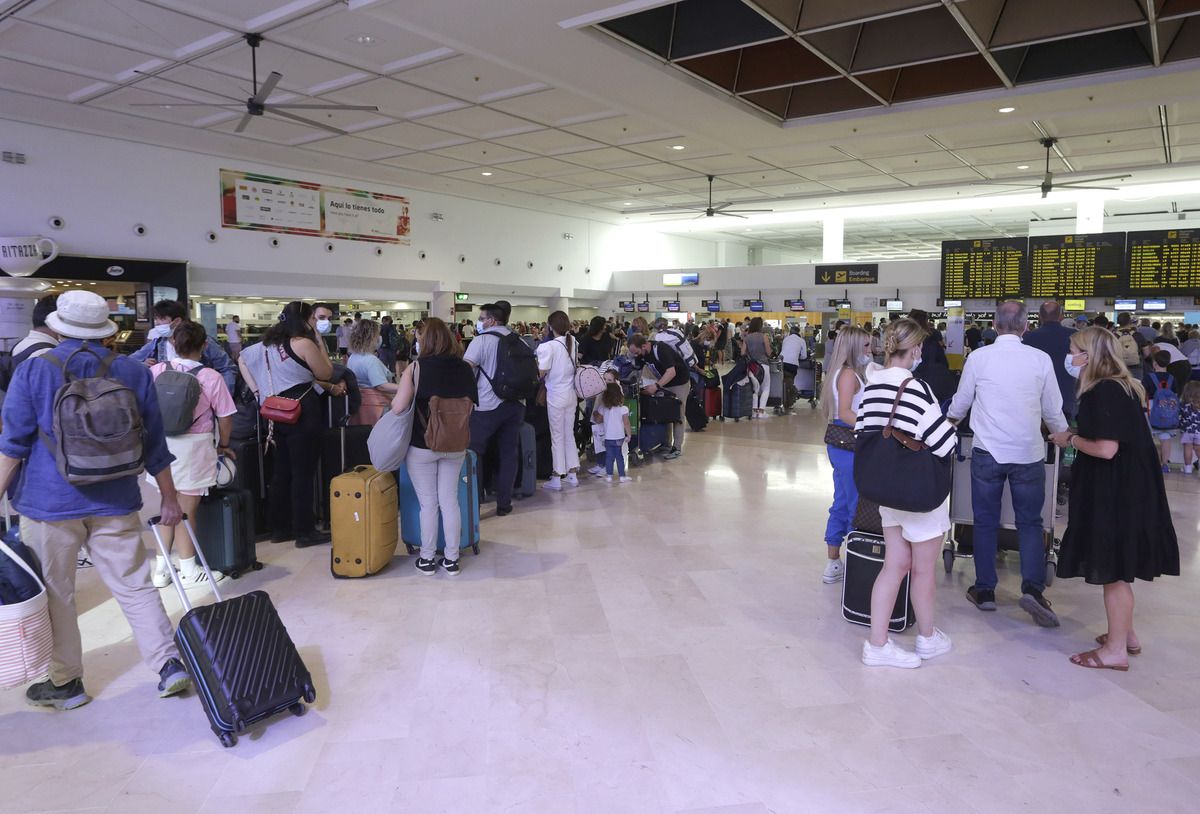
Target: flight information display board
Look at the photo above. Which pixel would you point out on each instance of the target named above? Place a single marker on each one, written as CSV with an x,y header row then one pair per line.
x,y
984,268
1077,265
1164,262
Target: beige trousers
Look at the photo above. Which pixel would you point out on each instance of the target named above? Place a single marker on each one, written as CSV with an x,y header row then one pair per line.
x,y
115,547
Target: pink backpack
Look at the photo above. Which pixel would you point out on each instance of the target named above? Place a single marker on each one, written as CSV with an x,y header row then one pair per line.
x,y
589,381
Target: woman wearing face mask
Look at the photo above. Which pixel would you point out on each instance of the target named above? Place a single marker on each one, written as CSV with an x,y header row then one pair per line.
x,y
288,363
373,382
1119,524
840,396
914,539
556,363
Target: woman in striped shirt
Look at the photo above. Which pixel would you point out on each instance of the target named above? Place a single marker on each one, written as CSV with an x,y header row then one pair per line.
x,y
914,539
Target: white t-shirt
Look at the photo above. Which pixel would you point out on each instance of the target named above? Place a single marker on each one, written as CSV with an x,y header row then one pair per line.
x,y
482,354
234,331
614,421
554,357
1176,354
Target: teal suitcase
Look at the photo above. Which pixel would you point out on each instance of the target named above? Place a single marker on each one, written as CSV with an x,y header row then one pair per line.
x,y
468,502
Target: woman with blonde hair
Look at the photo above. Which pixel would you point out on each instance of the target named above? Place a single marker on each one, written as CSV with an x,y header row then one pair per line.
x,y
840,396
1119,524
914,539
373,376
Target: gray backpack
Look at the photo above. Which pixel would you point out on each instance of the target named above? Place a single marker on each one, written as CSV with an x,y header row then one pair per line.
x,y
178,394
97,425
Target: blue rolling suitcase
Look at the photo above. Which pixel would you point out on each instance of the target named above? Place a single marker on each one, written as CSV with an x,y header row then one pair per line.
x,y
738,402
468,502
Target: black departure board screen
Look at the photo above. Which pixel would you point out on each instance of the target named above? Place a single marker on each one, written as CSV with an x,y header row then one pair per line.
x,y
1077,265
984,268
1164,262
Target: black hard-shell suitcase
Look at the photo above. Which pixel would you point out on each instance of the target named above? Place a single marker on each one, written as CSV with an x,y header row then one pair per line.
x,y
738,401
659,409
242,662
342,449
864,561
697,419
252,473
225,527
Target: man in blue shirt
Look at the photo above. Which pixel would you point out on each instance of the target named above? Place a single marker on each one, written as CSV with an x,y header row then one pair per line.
x,y
167,316
58,518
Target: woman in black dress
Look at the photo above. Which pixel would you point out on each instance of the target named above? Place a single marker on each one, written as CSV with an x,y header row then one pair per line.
x,y
1119,527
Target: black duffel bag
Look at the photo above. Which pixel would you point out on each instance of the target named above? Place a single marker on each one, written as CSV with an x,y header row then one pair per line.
x,y
661,408
893,469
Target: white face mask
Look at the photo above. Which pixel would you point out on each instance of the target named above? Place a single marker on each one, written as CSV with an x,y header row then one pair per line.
x,y
160,331
916,363
865,359
1069,365
480,327
323,326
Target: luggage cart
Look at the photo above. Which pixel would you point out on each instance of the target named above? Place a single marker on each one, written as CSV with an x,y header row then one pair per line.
x,y
808,383
962,517
634,403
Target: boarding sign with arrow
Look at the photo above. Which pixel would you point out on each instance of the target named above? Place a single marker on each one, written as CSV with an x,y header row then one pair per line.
x,y
848,274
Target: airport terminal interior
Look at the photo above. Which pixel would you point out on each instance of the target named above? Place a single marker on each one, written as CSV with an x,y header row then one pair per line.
x,y
675,642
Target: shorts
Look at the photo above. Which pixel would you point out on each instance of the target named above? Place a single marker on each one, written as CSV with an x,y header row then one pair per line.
x,y
918,526
1165,435
1190,438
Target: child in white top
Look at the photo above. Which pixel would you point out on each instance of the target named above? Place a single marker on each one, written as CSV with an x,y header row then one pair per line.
x,y
614,415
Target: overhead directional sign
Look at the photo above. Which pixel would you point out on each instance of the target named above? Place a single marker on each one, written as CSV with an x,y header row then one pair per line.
x,y
848,274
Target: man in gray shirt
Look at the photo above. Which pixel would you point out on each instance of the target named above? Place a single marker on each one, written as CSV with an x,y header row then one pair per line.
x,y
494,416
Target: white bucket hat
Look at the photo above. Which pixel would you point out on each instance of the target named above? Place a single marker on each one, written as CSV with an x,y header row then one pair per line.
x,y
81,315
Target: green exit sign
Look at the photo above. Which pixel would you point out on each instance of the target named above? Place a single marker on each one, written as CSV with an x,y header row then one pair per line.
x,y
461,297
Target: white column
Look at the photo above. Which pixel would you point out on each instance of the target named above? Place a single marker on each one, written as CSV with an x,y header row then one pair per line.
x,y
1089,216
833,229
441,305
559,304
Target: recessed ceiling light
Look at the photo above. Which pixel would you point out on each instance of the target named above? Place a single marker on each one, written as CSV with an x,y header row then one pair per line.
x,y
364,39
1022,166
1005,109
485,174
627,203
1066,209
678,147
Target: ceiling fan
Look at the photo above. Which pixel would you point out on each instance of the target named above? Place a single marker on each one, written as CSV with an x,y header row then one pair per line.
x,y
711,210
1048,184
257,105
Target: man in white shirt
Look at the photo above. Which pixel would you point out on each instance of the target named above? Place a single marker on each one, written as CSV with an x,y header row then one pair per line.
x,y
233,333
793,349
1010,390
1180,367
494,416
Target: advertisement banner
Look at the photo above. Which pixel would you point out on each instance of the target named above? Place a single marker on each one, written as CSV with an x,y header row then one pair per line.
x,y
955,332
269,204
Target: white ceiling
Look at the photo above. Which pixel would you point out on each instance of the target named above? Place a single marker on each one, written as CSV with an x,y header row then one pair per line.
x,y
561,118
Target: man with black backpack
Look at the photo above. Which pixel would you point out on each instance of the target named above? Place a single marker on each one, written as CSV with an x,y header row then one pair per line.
x,y
506,372
76,488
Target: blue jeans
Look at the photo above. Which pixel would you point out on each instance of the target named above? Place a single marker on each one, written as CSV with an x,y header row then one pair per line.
x,y
612,453
845,496
1027,485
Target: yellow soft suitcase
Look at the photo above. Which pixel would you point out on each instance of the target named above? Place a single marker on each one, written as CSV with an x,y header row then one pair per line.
x,y
364,515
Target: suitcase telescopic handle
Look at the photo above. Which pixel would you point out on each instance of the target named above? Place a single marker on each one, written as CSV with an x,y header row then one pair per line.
x,y
154,523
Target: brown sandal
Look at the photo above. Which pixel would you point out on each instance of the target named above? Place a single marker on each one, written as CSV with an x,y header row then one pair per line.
x,y
1091,659
1102,639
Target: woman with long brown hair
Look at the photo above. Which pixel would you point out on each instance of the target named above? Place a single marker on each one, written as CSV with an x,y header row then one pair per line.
x,y
439,371
841,394
1119,524
556,363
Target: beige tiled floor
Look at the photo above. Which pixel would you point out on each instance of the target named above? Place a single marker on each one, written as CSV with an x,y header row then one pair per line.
x,y
665,646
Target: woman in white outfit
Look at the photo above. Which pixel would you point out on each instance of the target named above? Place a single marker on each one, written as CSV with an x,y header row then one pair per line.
x,y
556,363
914,539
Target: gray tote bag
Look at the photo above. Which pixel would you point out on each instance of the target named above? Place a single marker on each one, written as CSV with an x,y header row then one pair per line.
x,y
389,439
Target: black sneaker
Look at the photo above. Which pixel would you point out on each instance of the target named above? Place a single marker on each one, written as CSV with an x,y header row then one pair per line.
x,y
313,538
449,566
502,511
427,567
982,598
1038,606
68,696
172,679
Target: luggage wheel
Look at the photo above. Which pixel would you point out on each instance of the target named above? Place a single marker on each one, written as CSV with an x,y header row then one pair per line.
x,y
948,559
310,695
258,566
411,550
475,548
234,574
228,739
1050,573
298,709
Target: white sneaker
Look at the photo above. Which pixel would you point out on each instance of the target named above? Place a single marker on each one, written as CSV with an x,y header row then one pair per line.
x,y
160,579
198,578
834,571
1187,470
933,646
554,484
626,479
597,470
572,479
890,655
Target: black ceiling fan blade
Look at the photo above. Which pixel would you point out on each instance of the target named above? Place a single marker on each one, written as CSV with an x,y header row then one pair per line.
x,y
1092,180
267,88
732,214
676,211
231,105
307,122
243,123
747,211
369,108
1080,186
189,87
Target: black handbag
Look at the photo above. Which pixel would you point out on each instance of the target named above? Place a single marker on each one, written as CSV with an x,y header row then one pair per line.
x,y
839,436
894,469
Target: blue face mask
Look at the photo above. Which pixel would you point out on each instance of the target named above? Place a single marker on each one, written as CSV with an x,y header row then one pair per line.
x,y
1069,365
160,331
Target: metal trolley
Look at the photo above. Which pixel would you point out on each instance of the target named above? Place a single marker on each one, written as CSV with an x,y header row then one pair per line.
x,y
962,518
